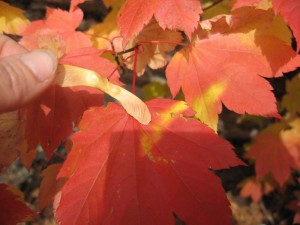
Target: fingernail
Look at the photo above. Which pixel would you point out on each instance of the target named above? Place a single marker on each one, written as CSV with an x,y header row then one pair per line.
x,y
42,63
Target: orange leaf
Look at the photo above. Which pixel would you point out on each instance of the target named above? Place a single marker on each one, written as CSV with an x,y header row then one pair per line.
x,y
50,185
66,31
182,15
122,172
135,14
71,20
255,188
252,188
225,63
276,151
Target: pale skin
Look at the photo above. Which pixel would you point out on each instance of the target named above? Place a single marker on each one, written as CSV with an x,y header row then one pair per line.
x,y
24,75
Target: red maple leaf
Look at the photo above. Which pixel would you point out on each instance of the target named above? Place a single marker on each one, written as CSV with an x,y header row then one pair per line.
x,y
13,209
135,14
122,172
49,120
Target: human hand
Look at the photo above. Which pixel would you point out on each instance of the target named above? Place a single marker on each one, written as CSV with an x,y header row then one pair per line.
x,y
23,75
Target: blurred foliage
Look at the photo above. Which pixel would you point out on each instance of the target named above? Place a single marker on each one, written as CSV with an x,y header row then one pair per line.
x,y
156,89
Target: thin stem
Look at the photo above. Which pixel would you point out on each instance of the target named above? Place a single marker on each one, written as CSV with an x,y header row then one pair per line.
x,y
212,5
113,39
121,64
126,59
116,57
126,51
59,155
162,42
136,52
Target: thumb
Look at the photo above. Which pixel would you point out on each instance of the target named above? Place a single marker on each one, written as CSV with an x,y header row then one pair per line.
x,y
24,77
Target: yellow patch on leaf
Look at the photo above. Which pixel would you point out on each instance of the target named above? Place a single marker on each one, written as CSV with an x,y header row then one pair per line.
x,y
165,118
173,112
207,106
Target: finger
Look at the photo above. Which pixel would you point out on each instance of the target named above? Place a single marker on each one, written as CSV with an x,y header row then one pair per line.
x,y
24,77
10,47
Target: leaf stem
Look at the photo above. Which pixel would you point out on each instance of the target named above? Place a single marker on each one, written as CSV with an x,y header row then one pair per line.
x,y
212,5
126,51
121,64
136,52
162,42
60,156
